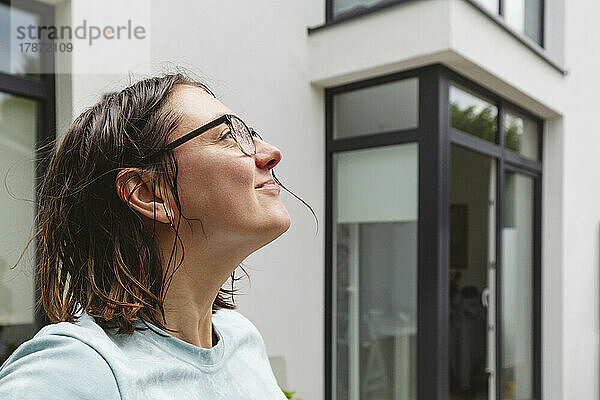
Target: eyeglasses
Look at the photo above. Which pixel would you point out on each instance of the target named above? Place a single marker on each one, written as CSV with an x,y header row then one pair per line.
x,y
243,136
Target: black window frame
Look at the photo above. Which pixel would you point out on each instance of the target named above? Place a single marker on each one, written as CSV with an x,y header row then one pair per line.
x,y
434,137
497,17
541,16
42,90
329,17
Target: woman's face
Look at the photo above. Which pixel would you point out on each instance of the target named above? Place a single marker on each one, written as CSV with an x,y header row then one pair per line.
x,y
217,182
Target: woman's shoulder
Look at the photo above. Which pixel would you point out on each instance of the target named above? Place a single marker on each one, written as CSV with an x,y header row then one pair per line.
x,y
57,364
84,329
233,318
238,330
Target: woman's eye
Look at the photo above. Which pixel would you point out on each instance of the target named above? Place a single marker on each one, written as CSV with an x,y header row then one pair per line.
x,y
227,133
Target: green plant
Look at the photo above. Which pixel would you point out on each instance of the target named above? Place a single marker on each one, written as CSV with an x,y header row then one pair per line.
x,y
290,394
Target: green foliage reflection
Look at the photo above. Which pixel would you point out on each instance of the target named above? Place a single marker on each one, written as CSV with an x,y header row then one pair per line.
x,y
481,124
513,132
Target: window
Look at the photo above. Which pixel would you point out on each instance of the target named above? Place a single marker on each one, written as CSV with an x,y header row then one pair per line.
x,y
518,287
472,114
473,258
521,134
376,109
490,5
342,8
17,62
524,16
375,207
18,133
476,115
494,272
433,273
374,210
26,121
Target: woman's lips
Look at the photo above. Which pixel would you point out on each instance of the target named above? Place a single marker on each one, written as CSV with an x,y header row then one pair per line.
x,y
269,182
271,186
268,185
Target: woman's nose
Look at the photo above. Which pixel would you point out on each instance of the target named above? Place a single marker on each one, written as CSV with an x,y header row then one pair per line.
x,y
267,155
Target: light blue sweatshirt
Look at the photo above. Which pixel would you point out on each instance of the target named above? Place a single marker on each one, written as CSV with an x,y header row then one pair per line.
x,y
80,360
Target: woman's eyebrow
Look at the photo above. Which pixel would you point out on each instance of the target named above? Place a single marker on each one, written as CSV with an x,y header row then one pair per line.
x,y
215,129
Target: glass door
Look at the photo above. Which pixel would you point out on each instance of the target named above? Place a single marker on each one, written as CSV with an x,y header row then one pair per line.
x,y
472,275
18,135
518,285
474,193
494,268
375,211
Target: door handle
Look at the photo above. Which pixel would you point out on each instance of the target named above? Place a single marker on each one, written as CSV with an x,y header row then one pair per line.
x,y
485,297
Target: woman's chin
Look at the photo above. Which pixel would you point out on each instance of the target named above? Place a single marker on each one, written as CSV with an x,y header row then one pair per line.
x,y
278,223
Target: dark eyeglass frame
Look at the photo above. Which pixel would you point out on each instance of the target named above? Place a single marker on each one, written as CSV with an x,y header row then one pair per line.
x,y
225,118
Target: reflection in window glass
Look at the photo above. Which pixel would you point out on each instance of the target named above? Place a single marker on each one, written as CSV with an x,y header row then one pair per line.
x,y
472,270
521,134
490,5
517,287
472,114
376,109
12,60
18,132
375,208
524,16
342,7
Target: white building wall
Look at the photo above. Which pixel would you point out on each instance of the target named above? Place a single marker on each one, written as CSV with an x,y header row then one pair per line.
x,y
553,309
581,206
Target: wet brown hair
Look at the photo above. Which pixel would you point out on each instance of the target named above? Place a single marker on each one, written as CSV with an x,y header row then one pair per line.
x,y
95,251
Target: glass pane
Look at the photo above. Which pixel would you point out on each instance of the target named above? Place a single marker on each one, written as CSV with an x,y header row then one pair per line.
x,y
342,7
517,288
383,108
472,114
18,132
524,16
521,134
12,60
490,5
375,273
472,274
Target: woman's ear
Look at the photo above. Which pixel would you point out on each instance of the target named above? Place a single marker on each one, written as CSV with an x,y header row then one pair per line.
x,y
136,189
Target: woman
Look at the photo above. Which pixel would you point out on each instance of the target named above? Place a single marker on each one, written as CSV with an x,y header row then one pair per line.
x,y
154,197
